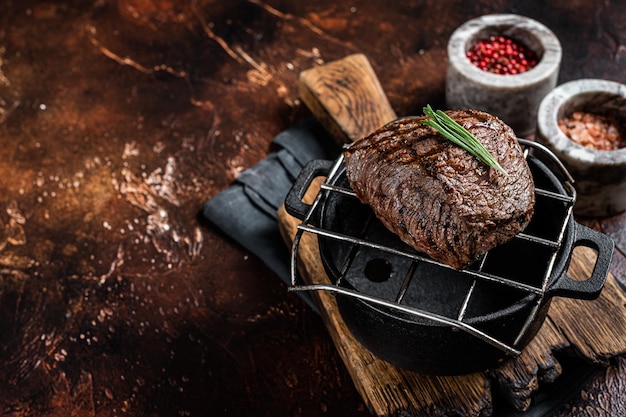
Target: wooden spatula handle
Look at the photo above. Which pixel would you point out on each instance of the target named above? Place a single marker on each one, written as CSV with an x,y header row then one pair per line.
x,y
346,97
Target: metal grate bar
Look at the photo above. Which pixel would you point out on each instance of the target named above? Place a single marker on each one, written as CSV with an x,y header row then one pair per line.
x,y
538,191
415,256
470,292
554,244
437,318
335,188
556,196
407,281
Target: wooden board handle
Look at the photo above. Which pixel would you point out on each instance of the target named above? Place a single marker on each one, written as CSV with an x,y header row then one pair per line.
x,y
346,97
349,101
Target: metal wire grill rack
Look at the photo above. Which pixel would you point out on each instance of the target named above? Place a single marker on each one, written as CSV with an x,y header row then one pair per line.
x,y
476,273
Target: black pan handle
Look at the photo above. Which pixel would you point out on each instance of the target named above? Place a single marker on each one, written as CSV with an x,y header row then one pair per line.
x,y
293,201
590,288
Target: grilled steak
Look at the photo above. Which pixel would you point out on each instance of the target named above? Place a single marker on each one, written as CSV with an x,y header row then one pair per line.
x,y
437,197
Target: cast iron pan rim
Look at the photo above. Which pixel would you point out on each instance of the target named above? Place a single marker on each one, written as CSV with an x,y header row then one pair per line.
x,y
558,269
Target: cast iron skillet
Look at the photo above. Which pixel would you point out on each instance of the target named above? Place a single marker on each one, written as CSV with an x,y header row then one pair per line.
x,y
421,344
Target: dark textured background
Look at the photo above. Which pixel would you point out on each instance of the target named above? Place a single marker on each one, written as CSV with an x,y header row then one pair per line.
x,y
119,119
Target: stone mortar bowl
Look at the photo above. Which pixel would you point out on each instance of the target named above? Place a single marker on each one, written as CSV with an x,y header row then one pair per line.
x,y
600,176
512,98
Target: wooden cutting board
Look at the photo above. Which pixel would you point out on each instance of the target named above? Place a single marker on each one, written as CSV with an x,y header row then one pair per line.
x,y
348,99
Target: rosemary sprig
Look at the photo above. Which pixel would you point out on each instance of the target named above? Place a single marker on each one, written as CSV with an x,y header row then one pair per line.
x,y
460,136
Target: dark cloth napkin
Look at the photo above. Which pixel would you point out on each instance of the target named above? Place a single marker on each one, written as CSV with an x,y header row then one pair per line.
x,y
247,212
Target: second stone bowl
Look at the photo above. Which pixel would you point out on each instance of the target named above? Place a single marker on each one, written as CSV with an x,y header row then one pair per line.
x,y
599,175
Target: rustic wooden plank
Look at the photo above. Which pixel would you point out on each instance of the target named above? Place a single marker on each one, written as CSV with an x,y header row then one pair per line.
x,y
349,101
386,389
346,97
343,90
596,328
521,377
604,396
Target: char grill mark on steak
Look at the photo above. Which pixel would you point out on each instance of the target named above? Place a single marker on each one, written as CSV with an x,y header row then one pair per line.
x,y
437,197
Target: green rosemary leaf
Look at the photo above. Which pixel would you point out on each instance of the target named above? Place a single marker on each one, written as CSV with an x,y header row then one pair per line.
x,y
460,136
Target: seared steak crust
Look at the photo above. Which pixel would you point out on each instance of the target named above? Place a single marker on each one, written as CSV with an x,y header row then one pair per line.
x,y
437,197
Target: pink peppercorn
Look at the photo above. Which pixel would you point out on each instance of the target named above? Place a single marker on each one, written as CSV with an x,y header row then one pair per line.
x,y
501,55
